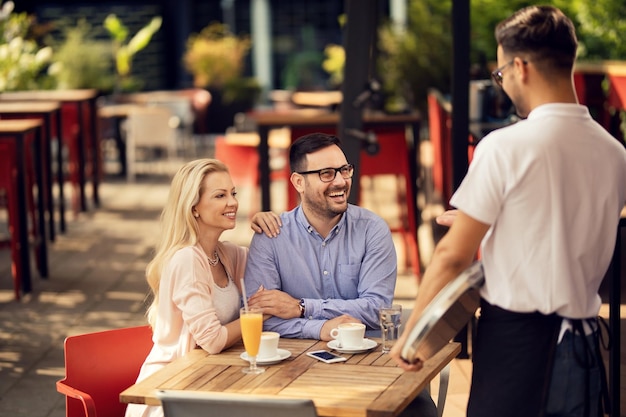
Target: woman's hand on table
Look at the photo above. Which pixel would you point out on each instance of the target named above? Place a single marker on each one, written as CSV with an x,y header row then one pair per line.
x,y
266,222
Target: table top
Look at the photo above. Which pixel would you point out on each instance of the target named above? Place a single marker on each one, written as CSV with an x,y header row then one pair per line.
x,y
17,107
118,110
366,384
58,95
19,126
320,117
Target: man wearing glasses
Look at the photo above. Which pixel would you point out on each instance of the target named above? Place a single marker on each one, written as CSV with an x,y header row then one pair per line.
x,y
542,200
332,262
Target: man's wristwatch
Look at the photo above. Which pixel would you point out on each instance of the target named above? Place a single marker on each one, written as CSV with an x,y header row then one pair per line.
x,y
301,305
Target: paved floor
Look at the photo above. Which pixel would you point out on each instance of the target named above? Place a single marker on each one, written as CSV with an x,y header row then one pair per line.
x,y
96,282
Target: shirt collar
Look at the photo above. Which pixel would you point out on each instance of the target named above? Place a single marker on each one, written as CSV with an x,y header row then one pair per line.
x,y
302,220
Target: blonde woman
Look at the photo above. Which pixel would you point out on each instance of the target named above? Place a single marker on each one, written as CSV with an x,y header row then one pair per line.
x,y
195,278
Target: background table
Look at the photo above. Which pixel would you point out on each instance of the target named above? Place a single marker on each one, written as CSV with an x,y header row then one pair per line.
x,y
366,384
19,132
50,113
84,101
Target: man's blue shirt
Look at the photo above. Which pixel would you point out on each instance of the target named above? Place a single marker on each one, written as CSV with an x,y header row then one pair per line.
x,y
353,271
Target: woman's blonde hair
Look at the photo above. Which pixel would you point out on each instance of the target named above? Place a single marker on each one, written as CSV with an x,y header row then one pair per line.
x,y
179,227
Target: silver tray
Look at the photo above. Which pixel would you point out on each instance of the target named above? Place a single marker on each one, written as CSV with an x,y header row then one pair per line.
x,y
445,315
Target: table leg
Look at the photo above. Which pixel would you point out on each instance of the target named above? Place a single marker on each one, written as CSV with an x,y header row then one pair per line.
x,y
60,179
47,143
23,245
42,241
82,160
264,167
95,147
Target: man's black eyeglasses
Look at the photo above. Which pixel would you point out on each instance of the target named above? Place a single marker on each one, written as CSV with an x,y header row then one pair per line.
x,y
497,73
329,174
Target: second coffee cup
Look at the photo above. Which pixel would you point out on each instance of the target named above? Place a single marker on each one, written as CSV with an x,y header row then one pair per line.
x,y
349,335
269,345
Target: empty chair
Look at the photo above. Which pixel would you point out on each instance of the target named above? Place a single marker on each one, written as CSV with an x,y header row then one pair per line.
x,y
100,365
220,404
149,128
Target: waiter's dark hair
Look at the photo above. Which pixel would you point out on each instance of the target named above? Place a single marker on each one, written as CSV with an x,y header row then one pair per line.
x,y
307,144
540,34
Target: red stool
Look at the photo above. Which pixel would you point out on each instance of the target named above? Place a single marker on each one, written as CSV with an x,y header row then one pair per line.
x,y
440,138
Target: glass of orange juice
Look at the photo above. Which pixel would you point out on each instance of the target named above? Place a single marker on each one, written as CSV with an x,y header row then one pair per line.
x,y
251,320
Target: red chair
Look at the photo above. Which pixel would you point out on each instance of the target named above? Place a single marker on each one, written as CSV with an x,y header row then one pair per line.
x,y
243,162
99,366
440,138
393,159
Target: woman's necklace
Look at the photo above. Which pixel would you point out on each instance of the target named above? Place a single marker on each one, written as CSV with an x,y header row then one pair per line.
x,y
215,259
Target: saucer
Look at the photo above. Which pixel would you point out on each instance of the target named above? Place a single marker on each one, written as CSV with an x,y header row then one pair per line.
x,y
367,345
282,355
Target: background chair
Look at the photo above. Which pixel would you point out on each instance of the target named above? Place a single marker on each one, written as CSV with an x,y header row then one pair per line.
x,y
98,366
151,128
221,404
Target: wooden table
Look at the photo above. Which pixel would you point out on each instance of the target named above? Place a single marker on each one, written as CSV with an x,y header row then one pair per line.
x,y
50,113
18,132
117,113
322,119
367,384
84,101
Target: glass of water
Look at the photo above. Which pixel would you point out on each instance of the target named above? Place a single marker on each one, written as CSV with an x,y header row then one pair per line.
x,y
390,325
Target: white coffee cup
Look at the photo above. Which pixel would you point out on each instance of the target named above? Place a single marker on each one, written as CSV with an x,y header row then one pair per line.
x,y
269,345
349,335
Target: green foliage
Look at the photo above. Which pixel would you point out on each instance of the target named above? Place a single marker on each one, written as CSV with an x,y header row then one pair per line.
x,y
22,60
421,58
413,61
81,61
302,71
600,25
124,52
334,63
215,56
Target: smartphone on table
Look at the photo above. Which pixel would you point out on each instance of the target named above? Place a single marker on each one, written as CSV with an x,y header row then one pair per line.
x,y
326,356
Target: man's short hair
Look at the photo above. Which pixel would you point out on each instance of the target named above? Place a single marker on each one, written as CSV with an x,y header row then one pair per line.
x,y
541,34
307,144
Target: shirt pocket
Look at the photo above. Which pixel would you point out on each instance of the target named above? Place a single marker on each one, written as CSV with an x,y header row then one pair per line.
x,y
348,280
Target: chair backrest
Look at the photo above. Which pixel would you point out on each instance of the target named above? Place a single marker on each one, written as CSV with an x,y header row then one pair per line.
x,y
151,126
221,404
103,364
242,161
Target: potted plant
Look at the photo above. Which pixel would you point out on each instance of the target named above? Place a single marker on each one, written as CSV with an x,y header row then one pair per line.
x,y
125,51
215,58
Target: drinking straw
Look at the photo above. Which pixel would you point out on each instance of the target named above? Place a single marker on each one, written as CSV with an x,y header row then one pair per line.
x,y
245,295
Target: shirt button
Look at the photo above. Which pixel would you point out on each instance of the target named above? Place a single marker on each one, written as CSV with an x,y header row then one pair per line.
x,y
324,244
325,272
